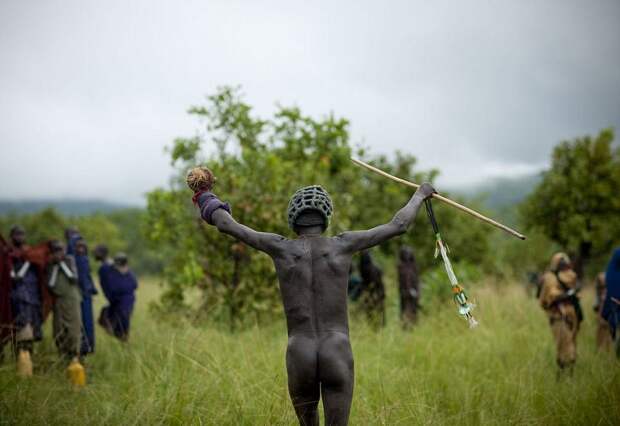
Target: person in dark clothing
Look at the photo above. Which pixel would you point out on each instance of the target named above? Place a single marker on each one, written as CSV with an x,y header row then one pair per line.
x,y
355,285
373,291
409,287
119,285
88,290
76,247
6,313
611,305
26,300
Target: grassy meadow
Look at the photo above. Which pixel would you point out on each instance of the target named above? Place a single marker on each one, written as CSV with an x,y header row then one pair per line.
x,y
503,372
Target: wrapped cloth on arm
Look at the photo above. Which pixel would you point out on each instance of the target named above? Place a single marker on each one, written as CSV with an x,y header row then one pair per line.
x,y
208,203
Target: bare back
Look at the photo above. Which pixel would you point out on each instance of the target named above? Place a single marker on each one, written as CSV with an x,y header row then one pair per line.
x,y
313,270
313,273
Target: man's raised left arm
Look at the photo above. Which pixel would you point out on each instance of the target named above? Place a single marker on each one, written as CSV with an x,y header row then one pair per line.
x,y
218,214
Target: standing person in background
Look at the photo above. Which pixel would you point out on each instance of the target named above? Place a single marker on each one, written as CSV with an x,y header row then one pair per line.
x,y
611,305
6,312
88,290
62,281
76,247
119,285
26,300
355,285
373,291
603,333
409,287
558,297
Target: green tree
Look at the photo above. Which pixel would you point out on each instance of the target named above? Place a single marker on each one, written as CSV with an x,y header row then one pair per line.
x,y
576,204
132,231
259,164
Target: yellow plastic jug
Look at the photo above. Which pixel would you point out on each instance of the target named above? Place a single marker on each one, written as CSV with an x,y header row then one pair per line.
x,y
24,364
76,373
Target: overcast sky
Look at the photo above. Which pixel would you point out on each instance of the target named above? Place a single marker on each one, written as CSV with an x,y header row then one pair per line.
x,y
92,91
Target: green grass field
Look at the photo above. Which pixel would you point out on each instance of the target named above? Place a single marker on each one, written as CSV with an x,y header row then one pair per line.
x,y
440,373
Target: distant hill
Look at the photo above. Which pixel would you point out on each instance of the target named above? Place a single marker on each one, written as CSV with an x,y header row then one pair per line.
x,y
67,207
499,193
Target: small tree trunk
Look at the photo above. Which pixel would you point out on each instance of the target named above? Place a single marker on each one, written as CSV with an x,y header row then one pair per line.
x,y
582,258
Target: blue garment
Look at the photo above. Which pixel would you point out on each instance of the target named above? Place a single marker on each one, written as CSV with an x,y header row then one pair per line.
x,y
119,289
85,279
87,289
87,346
611,309
26,299
209,203
72,242
104,271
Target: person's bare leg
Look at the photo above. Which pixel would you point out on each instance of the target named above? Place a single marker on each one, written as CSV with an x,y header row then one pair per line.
x,y
336,375
303,381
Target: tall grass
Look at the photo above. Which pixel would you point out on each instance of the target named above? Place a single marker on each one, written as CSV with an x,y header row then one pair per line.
x,y
439,373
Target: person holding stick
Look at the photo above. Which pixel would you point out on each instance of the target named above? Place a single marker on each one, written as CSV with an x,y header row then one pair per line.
x,y
313,272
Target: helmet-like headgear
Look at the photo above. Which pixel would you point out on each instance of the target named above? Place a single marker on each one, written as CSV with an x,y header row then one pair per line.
x,y
310,198
559,261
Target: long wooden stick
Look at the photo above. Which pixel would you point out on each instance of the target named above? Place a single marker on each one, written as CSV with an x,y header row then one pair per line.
x,y
442,198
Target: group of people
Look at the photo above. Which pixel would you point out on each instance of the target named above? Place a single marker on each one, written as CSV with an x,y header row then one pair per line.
x,y
368,288
56,277
558,289
558,296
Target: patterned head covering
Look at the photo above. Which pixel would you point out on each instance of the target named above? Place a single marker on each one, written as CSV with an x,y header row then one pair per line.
x,y
310,199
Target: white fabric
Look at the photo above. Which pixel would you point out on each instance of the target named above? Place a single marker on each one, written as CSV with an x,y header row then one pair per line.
x,y
66,270
52,281
23,270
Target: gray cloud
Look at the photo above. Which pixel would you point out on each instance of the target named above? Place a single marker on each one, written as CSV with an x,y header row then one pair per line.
x,y
91,93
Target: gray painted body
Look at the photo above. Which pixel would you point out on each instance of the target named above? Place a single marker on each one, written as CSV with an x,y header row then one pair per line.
x,y
313,272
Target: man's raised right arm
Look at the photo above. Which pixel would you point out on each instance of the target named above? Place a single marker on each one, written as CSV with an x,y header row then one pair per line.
x,y
355,241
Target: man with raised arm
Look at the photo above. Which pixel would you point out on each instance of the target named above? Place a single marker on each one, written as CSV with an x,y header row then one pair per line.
x,y
313,272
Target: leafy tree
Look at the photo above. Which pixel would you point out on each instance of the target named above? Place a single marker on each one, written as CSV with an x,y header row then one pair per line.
x,y
259,164
577,204
132,231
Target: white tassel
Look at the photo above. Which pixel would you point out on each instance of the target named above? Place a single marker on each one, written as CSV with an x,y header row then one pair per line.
x,y
22,271
66,270
472,322
52,281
